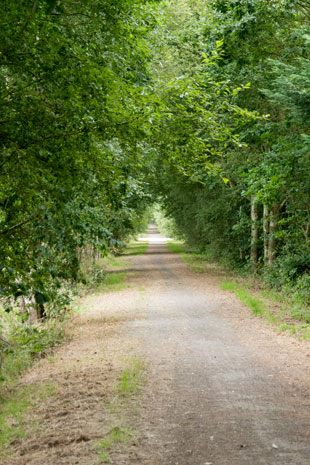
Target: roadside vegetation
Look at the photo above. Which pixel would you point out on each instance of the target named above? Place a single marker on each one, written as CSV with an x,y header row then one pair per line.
x,y
25,339
250,210
284,310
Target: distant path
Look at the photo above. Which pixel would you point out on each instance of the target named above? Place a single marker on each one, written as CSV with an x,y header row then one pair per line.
x,y
222,387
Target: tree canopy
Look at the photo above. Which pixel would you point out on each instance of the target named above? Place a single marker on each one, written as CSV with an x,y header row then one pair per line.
x,y
108,106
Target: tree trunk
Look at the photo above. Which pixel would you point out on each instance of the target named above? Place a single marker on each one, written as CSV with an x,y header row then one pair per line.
x,y
23,306
254,230
266,232
273,228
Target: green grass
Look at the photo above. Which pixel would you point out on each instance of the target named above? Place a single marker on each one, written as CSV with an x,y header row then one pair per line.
x,y
14,407
128,384
113,262
306,333
287,327
255,305
136,248
300,312
132,377
273,295
275,308
197,262
117,435
176,247
119,264
113,282
101,276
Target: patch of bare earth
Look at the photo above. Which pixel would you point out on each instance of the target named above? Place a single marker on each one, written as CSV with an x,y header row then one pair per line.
x,y
223,388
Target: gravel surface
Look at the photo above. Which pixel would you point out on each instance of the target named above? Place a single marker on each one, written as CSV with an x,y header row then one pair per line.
x,y
223,388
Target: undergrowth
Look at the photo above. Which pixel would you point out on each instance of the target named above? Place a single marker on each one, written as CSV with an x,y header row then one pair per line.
x,y
23,344
275,307
101,275
104,275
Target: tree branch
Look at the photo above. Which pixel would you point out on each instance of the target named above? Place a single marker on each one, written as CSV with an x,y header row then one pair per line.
x,y
18,225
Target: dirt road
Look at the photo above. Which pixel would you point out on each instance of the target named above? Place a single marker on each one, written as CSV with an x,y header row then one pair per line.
x,y
223,388
227,390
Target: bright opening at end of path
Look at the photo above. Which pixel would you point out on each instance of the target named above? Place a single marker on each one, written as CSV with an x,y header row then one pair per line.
x,y
153,236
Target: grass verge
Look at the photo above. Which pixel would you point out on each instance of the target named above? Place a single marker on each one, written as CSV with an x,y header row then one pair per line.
x,y
113,282
136,248
276,308
198,262
255,305
286,313
101,276
14,406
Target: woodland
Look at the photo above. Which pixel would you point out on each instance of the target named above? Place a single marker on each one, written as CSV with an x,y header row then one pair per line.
x,y
108,107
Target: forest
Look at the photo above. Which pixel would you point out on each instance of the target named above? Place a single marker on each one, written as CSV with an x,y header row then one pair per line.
x,y
154,232
110,107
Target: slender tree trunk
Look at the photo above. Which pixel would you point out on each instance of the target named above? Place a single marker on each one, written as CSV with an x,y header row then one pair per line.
x,y
273,228
23,307
266,232
254,230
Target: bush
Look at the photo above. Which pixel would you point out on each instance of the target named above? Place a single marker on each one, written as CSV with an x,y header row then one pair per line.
x,y
22,343
302,288
288,270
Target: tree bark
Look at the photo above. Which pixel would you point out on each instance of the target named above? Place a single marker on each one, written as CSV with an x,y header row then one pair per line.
x,y
254,231
273,228
266,232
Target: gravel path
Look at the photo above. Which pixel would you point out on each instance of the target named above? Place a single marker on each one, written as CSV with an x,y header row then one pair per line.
x,y
223,388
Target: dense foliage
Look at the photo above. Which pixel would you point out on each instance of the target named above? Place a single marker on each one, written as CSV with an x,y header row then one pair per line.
x,y
72,117
108,106
260,216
